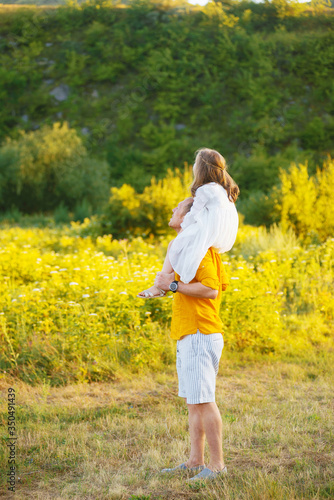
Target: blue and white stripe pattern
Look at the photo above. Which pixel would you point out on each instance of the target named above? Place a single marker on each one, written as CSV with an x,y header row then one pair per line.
x,y
197,363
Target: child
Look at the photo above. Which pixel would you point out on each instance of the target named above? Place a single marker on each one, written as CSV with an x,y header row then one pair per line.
x,y
211,222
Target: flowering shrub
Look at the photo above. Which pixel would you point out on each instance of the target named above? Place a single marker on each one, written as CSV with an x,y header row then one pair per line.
x,y
304,202
130,213
69,309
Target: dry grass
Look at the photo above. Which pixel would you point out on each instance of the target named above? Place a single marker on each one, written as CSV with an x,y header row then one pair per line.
x,y
109,440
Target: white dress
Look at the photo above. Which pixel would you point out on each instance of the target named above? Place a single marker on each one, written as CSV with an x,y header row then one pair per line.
x,y
211,222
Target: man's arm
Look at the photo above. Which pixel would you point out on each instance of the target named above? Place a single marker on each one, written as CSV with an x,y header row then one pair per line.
x,y
163,280
197,290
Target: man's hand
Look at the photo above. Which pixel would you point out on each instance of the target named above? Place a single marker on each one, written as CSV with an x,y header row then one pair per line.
x,y
163,280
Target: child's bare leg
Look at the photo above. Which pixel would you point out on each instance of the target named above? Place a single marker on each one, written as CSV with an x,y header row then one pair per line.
x,y
154,290
167,267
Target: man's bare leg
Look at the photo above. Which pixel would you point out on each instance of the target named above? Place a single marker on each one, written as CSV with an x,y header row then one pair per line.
x,y
197,436
212,423
205,420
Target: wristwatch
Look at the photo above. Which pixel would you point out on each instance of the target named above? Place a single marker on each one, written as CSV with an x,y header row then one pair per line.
x,y
174,286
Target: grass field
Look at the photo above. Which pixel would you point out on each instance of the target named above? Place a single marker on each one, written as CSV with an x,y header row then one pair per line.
x,y
109,440
93,368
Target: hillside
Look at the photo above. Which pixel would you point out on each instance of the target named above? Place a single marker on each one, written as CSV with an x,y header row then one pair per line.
x,y
145,85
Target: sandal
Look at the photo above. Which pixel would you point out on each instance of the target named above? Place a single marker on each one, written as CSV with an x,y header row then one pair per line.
x,y
183,468
147,294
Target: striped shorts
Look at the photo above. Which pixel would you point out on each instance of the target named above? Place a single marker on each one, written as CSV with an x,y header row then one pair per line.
x,y
197,361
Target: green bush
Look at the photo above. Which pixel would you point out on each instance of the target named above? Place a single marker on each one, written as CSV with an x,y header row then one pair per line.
x,y
82,210
258,209
11,216
41,169
61,214
149,92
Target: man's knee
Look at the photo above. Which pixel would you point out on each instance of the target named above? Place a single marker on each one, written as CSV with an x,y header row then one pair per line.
x,y
200,407
197,407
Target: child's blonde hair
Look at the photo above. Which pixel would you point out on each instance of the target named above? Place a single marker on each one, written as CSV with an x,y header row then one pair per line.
x,y
211,167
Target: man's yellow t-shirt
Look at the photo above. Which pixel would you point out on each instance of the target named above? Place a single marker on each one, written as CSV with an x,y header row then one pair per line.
x,y
191,313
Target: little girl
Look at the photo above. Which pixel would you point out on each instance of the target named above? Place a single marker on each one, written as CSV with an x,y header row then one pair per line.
x,y
211,222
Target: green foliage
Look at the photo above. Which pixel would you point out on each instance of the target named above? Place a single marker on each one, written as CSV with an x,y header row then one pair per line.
x,y
150,92
61,214
258,209
82,210
42,168
11,216
9,175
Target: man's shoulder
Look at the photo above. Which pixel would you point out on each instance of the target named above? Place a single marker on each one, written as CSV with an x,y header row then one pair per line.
x,y
212,266
210,256
211,261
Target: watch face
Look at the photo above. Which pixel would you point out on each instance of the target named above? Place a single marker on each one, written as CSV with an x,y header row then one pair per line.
x,y
173,287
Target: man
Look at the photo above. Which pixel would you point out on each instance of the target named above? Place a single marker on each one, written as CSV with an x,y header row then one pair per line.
x,y
197,328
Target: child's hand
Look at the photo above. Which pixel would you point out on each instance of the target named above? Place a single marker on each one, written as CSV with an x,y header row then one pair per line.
x,y
163,280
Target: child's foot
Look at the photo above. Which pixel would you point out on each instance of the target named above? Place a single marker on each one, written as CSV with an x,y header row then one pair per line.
x,y
152,292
